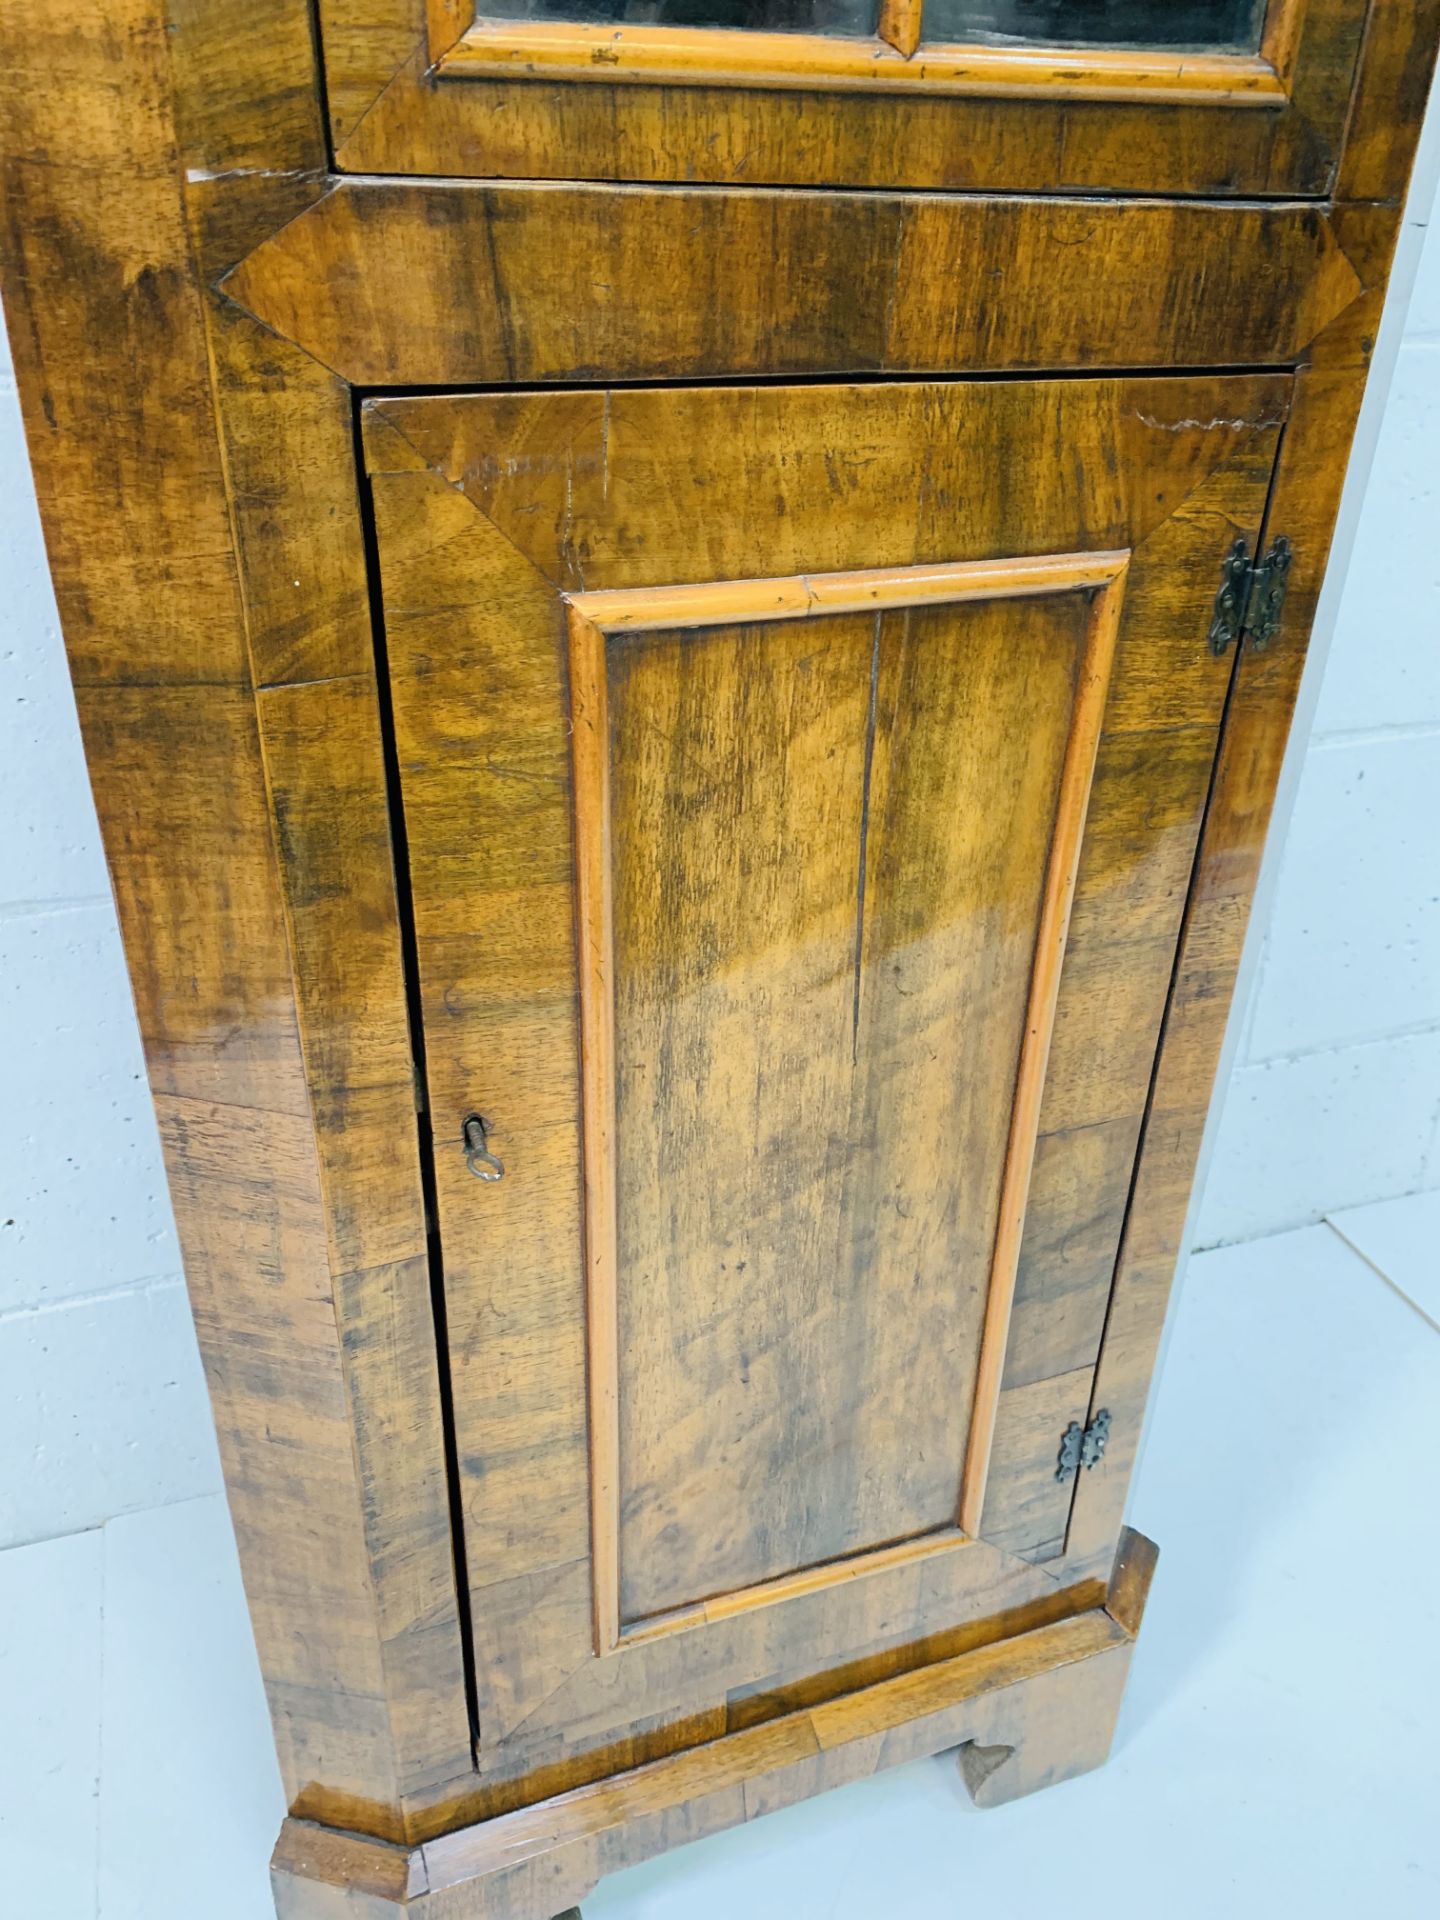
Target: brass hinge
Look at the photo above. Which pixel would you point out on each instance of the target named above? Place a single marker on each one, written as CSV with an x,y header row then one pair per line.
x,y
1082,1446
1250,597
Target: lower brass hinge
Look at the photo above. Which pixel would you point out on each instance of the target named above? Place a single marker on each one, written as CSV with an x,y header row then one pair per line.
x,y
1082,1446
1250,597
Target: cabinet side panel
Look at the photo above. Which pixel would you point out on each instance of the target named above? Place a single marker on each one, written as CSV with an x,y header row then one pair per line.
x,y
252,149
1396,72
109,344
1303,506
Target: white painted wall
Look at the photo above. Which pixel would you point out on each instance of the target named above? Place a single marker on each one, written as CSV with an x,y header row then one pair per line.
x,y
1335,1099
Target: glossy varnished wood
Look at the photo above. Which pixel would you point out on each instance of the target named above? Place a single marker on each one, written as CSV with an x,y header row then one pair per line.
x,y
1307,498
403,101
1038,1709
517,1307
602,53
715,1114
494,514
371,280
305,1308
195,457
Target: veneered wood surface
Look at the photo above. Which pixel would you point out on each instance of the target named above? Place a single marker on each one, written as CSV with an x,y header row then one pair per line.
x,y
447,283
1039,1708
1387,105
830,842
607,53
926,839
859,475
392,114
253,148
1093,669
738,763
304,1310
1305,501
99,279
598,493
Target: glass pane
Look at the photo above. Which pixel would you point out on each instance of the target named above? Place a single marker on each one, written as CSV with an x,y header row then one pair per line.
x,y
1211,25
850,18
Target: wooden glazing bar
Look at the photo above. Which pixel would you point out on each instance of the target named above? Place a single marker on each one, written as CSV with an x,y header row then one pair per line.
x,y
900,24
707,57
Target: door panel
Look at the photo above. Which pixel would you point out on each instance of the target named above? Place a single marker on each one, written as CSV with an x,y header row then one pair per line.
x,y
830,845
1213,96
781,769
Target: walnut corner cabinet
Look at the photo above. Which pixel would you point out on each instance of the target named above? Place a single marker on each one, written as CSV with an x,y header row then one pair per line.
x,y
684,615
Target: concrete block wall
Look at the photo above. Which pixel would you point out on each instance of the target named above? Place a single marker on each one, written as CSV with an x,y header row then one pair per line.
x,y
1335,1098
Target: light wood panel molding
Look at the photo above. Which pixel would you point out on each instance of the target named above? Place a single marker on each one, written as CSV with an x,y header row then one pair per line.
x,y
589,617
595,937
1075,782
861,590
709,57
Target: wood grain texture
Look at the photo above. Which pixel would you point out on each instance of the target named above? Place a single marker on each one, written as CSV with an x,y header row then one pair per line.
x,y
776,1224
1056,898
738,758
898,24
1304,503
447,284
700,1022
601,494
858,476
252,141
392,114
1129,903
601,53
595,943
196,471
516,1305
802,596
1039,1708
154,620
1388,104
304,1291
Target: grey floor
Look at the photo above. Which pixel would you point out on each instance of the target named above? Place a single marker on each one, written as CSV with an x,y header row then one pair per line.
x,y
1279,1750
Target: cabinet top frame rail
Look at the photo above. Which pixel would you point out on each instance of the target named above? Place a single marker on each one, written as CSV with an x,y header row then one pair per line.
x,y
440,88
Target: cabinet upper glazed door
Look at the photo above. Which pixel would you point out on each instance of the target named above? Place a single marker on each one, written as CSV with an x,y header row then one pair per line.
x,y
1047,96
800,790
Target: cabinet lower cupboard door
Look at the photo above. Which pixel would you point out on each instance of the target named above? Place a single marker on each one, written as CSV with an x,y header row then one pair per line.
x,y
800,791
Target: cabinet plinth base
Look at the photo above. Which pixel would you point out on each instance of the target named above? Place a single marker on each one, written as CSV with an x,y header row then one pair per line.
x,y
1023,1713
